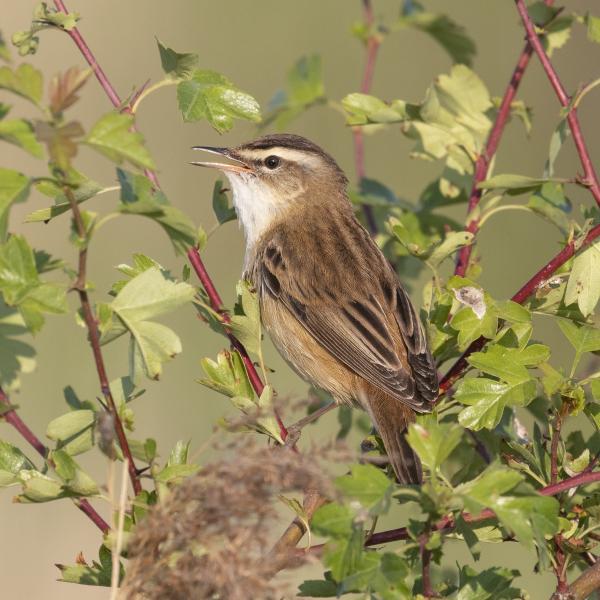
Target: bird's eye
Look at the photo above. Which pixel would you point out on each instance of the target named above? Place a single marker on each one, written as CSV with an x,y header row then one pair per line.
x,y
272,162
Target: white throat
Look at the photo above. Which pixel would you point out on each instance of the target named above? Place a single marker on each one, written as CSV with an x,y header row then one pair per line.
x,y
255,204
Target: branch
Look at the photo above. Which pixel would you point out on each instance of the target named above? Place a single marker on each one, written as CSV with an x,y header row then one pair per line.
x,y
485,158
217,305
526,290
94,338
425,554
107,86
590,179
373,44
583,586
15,420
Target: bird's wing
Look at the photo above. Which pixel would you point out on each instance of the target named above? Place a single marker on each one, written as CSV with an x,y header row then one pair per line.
x,y
357,327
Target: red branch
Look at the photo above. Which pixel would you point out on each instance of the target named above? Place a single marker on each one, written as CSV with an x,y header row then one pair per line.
x,y
529,288
373,44
590,179
15,420
484,159
107,86
217,305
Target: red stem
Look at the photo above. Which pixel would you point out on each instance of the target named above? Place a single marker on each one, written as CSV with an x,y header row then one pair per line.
x,y
373,44
484,159
107,86
15,420
590,179
216,304
529,288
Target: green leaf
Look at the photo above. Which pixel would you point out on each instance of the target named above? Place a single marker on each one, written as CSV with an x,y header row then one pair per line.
x,y
38,487
22,287
211,96
363,109
333,520
486,400
52,16
245,322
112,135
583,286
471,327
26,81
313,588
452,242
76,480
74,431
175,65
593,28
368,485
550,202
446,32
559,135
347,557
14,187
12,461
511,182
98,573
433,442
146,296
220,203
81,192
20,133
175,474
138,197
16,356
4,51
492,584
228,376
584,338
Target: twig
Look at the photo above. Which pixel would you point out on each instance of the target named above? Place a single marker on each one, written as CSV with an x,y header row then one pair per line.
x,y
15,420
484,159
107,86
428,590
590,179
526,290
556,432
94,339
583,586
373,43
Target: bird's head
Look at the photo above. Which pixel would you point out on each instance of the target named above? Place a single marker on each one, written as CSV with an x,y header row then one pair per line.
x,y
272,174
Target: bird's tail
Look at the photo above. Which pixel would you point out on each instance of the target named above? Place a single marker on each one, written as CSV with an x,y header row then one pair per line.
x,y
391,420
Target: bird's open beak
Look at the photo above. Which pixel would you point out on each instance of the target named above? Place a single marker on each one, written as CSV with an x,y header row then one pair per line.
x,y
238,165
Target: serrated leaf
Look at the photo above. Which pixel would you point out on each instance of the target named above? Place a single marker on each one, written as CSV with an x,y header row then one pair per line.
x,y
175,474
25,81
245,322
559,135
220,204
452,242
227,376
471,327
98,573
551,202
16,356
138,197
112,135
38,487
511,182
144,297
363,109
61,141
584,338
20,133
211,96
583,286
63,88
313,588
493,583
176,65
52,16
593,28
486,400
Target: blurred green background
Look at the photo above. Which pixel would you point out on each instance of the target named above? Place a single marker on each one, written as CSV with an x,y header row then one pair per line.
x,y
254,44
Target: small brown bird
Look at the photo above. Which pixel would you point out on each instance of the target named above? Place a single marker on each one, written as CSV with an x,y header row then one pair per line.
x,y
329,299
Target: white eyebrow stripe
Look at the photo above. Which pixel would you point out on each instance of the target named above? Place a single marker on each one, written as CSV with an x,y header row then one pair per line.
x,y
289,154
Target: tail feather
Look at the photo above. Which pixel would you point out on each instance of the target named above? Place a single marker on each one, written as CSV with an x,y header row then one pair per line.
x,y
391,420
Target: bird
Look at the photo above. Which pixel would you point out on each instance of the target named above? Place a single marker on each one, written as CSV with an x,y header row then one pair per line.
x,y
331,302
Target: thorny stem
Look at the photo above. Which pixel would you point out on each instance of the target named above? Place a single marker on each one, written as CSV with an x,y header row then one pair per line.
x,y
94,339
590,179
12,417
484,159
372,46
526,290
107,86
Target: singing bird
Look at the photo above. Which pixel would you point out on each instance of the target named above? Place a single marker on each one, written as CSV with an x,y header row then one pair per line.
x,y
329,299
